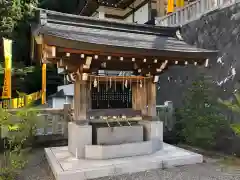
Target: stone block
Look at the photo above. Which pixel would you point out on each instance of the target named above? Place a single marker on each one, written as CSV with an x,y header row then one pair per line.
x,y
119,135
142,165
65,166
77,175
78,137
122,150
152,130
100,172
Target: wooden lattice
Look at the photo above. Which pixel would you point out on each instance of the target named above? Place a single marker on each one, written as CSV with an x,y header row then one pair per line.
x,y
117,96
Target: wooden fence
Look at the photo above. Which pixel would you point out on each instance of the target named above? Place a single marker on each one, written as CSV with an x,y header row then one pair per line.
x,y
192,11
20,101
55,121
165,113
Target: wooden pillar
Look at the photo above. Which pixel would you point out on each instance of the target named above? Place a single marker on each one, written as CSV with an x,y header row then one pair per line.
x,y
152,95
89,96
139,98
67,109
81,100
134,97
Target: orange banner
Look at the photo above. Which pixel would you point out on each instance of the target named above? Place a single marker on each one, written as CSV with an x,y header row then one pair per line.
x,y
179,3
170,6
44,80
7,90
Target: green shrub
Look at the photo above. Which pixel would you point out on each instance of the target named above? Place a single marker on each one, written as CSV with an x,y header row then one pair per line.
x,y
200,118
234,106
236,128
20,128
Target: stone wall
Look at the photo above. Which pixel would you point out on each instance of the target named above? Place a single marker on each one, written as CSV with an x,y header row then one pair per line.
x,y
219,30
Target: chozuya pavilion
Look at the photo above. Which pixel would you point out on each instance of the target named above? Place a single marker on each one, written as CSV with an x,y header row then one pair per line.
x,y
115,129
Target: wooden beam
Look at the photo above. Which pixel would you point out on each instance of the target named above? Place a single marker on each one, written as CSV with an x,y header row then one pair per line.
x,y
133,51
97,113
128,55
39,39
106,54
81,101
61,64
113,63
151,98
87,62
139,95
118,78
50,51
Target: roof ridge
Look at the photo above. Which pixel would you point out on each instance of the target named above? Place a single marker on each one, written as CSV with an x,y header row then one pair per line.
x,y
168,31
107,28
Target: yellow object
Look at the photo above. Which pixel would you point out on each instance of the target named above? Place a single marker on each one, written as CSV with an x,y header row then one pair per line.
x,y
30,98
6,104
7,90
7,45
15,103
170,6
44,80
182,3
179,3
33,97
20,101
13,127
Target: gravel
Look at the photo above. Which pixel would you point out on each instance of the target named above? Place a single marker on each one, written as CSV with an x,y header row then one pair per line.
x,y
38,169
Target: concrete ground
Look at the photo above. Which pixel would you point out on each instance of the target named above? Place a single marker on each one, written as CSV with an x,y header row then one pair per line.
x,y
38,169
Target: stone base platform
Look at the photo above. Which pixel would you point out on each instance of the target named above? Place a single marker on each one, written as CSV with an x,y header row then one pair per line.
x,y
65,166
101,152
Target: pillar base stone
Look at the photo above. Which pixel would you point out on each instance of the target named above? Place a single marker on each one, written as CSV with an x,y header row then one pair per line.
x,y
78,137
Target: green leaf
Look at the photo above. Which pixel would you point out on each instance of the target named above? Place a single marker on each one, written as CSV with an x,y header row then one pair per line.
x,y
236,128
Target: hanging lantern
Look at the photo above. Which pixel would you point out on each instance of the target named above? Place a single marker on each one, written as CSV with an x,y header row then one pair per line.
x,y
90,83
156,78
107,84
84,76
130,84
110,82
206,62
95,83
140,85
98,84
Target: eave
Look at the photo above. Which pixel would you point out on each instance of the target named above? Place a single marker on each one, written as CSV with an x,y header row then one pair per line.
x,y
71,41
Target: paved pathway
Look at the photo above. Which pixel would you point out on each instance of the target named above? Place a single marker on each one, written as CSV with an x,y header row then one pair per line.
x,y
38,169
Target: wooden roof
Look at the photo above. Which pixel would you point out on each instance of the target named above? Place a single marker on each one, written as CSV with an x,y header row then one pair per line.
x,y
82,35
